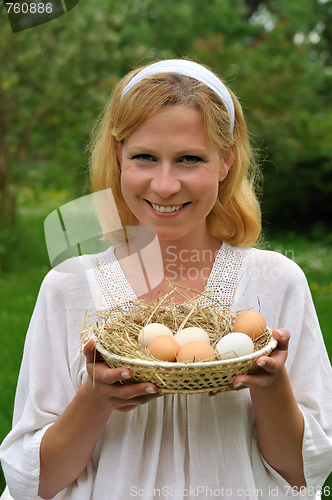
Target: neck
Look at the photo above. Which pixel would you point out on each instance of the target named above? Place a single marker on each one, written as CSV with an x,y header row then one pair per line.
x,y
185,254
187,261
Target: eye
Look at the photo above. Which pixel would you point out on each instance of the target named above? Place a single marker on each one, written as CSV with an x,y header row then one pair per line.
x,y
144,157
190,160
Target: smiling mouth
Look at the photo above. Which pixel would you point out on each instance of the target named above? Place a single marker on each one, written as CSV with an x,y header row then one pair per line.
x,y
166,209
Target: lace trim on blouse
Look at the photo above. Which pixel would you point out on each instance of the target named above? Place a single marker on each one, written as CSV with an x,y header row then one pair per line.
x,y
223,278
225,275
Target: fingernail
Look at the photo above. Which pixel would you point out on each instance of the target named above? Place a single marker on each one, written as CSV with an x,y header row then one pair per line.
x,y
282,334
125,375
240,384
150,390
262,363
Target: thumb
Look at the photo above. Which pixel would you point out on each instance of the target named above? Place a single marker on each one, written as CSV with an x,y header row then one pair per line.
x,y
89,351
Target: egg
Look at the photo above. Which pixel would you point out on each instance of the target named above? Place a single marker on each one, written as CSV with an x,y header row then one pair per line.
x,y
251,323
191,334
152,330
164,347
196,351
234,345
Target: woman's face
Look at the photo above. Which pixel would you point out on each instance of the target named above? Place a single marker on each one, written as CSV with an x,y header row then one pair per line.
x,y
170,173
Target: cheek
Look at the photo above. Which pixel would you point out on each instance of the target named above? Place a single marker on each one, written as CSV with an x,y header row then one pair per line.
x,y
134,180
126,188
209,194
132,188
128,181
208,187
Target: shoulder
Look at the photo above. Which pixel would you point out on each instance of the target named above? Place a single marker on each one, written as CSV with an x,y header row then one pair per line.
x,y
61,277
274,284
65,283
271,265
265,272
71,280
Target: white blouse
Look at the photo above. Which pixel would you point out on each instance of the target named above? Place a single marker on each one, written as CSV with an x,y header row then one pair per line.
x,y
177,446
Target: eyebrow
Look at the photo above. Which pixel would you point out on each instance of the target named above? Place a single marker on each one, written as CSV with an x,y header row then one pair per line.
x,y
190,151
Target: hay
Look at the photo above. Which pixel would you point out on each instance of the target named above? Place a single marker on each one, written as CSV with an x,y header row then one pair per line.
x,y
116,332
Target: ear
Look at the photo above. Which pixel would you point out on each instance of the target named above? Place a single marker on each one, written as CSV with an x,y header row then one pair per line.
x,y
226,163
119,152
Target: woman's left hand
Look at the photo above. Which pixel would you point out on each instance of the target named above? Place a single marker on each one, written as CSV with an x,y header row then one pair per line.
x,y
269,366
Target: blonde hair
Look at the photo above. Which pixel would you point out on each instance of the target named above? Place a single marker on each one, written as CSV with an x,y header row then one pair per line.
x,y
235,218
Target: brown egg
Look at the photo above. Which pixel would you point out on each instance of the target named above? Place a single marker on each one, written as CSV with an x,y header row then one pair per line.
x,y
251,323
195,351
164,347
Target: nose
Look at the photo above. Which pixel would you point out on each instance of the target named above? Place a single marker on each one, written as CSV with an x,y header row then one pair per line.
x,y
165,181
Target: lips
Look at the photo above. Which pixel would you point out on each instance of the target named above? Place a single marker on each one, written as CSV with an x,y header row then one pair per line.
x,y
167,208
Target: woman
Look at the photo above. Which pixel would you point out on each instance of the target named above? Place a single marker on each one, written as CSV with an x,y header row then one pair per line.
x,y
173,147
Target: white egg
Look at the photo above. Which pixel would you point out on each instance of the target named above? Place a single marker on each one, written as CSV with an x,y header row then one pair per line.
x,y
152,330
234,345
191,334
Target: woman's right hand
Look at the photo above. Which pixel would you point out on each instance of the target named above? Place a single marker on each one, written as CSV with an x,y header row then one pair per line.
x,y
63,453
106,384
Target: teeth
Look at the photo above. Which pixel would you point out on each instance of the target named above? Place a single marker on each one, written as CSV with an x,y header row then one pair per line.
x,y
161,208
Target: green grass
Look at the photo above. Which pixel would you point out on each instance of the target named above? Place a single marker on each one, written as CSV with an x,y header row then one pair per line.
x,y
29,263
18,293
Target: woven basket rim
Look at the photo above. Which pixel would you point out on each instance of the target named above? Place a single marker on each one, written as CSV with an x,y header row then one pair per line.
x,y
272,344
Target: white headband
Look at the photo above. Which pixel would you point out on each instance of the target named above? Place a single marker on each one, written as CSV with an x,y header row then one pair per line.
x,y
192,69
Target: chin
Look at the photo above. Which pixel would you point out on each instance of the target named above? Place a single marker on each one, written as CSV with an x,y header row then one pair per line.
x,y
170,235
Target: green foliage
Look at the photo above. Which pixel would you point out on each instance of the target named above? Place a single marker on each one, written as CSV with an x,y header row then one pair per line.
x,y
55,79
284,88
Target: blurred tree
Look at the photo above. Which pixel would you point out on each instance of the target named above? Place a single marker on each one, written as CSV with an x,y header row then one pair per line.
x,y
284,81
56,76
275,54
52,79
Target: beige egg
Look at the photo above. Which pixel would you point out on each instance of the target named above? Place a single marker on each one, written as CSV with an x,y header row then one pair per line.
x,y
196,351
191,334
164,347
152,330
251,323
234,345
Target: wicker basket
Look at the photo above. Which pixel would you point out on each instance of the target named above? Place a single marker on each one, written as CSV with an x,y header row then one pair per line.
x,y
190,378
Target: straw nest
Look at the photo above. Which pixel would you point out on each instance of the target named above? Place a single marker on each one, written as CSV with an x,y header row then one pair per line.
x,y
116,332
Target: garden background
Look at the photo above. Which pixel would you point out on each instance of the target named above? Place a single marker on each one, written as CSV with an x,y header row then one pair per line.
x,y
55,78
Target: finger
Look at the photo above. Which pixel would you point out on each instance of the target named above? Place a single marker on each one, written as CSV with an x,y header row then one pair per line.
x,y
277,358
90,352
272,363
130,404
110,382
269,366
136,391
102,373
282,335
260,379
